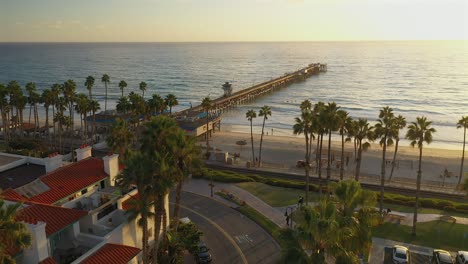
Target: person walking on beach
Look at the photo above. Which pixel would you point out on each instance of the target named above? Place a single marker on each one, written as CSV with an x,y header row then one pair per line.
x,y
300,202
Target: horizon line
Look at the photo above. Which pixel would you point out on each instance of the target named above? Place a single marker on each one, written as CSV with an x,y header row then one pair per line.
x,y
233,41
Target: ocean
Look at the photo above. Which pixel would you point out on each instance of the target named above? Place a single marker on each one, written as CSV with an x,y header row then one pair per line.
x,y
415,78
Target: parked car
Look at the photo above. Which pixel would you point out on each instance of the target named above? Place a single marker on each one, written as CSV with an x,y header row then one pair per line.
x,y
401,255
203,253
440,256
462,257
302,164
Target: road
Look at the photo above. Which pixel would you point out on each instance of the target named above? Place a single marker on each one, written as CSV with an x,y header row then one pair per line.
x,y
231,237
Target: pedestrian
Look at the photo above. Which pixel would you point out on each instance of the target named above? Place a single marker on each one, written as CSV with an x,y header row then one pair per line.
x,y
287,220
301,201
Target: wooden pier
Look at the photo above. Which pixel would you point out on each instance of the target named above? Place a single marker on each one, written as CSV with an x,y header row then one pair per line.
x,y
230,100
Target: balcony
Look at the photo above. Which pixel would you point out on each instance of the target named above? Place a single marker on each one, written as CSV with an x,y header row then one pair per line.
x,y
93,201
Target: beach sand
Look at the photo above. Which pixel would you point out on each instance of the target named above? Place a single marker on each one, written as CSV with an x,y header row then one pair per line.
x,y
282,152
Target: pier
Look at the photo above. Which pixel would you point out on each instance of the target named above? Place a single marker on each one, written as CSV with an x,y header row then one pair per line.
x,y
193,120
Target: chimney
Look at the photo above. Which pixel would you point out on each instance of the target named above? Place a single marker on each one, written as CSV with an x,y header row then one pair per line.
x,y
38,251
111,167
83,152
53,162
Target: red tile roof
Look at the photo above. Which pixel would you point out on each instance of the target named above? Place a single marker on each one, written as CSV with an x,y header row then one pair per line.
x,y
48,260
12,195
56,218
70,179
112,253
130,202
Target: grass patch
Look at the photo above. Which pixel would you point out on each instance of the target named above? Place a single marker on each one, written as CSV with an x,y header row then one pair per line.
x,y
450,237
421,210
275,196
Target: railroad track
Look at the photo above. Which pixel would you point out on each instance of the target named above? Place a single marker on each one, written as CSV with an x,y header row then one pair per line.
x,y
369,186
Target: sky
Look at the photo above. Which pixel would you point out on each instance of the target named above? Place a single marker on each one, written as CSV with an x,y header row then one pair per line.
x,y
231,20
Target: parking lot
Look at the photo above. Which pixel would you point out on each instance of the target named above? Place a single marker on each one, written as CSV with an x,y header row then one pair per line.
x,y
415,258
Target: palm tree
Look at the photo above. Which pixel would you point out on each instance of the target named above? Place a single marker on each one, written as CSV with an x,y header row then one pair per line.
x,y
120,138
419,132
122,85
385,130
363,132
156,145
463,122
89,83
13,234
143,86
136,173
171,100
157,104
250,115
69,93
105,79
55,92
48,100
331,122
82,108
123,105
33,100
94,107
399,123
207,105
343,123
265,111
303,125
186,154
4,109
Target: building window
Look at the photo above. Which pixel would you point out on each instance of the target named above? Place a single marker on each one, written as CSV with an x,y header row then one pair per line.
x,y
107,210
103,184
84,191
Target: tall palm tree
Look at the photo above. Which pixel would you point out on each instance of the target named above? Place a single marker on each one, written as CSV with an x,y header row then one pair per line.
x,y
143,86
419,132
55,93
89,83
265,111
33,100
400,123
303,125
331,123
136,173
157,104
364,133
250,115
156,145
319,127
94,107
385,130
69,93
120,138
4,109
186,155
82,107
122,86
171,100
105,79
48,100
343,123
207,105
13,234
463,122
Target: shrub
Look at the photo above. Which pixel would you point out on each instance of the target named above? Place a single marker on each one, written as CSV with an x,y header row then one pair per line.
x,y
441,204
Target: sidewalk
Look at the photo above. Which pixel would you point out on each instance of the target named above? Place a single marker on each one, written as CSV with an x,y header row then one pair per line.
x,y
201,187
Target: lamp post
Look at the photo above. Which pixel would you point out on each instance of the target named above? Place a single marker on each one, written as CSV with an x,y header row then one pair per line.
x,y
211,183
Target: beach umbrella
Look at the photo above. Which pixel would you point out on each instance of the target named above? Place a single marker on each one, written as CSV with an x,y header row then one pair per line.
x,y
241,143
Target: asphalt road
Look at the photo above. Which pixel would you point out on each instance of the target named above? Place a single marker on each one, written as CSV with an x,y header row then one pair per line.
x,y
415,258
231,237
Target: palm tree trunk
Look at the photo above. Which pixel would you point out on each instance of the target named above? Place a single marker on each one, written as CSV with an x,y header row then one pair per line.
x,y
94,128
36,119
355,149
105,101
30,110
329,158
358,163
157,224
177,200
55,135
261,141
307,160
342,156
418,187
317,154
320,164
382,174
394,158
251,140
47,121
207,133
463,157
144,239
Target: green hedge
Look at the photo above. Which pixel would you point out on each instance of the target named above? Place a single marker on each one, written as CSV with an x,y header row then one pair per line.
x,y
233,177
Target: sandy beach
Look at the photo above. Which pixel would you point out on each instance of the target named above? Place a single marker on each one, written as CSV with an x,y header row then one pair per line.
x,y
282,152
